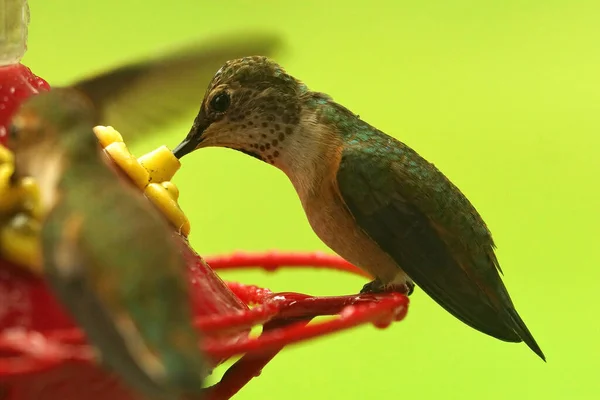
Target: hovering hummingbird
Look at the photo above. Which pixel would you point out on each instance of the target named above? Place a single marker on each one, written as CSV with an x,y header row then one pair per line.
x,y
145,96
369,197
110,257
142,98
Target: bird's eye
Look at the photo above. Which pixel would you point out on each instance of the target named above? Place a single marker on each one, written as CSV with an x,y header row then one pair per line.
x,y
220,103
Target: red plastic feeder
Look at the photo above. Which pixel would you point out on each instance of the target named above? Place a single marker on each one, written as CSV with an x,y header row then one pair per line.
x,y
44,356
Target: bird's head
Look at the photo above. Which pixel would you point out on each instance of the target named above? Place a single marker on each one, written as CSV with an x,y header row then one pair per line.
x,y
251,105
50,123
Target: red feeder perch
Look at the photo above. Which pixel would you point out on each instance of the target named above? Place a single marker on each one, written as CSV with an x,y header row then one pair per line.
x,y
43,355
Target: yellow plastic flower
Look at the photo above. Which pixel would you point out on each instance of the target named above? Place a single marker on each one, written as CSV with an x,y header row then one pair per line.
x,y
20,208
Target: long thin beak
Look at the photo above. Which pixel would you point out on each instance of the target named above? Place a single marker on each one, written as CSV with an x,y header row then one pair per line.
x,y
15,177
17,174
194,138
185,147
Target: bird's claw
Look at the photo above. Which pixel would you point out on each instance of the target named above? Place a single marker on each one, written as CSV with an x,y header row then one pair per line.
x,y
376,286
372,287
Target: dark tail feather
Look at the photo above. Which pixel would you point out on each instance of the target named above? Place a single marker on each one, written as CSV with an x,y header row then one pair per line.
x,y
501,322
521,330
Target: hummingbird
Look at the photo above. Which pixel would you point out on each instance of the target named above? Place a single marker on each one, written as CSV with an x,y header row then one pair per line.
x,y
108,255
145,96
372,199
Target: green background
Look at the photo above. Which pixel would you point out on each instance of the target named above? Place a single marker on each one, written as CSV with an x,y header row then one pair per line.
x,y
503,96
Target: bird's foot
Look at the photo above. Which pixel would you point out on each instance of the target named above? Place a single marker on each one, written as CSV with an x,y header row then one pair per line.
x,y
373,287
377,286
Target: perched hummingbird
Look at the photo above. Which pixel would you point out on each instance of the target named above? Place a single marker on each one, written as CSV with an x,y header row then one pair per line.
x,y
109,256
369,197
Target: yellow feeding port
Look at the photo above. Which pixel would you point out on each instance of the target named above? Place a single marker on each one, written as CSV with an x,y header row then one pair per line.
x,y
152,173
21,215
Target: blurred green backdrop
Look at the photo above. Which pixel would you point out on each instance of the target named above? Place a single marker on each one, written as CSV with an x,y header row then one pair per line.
x,y
503,96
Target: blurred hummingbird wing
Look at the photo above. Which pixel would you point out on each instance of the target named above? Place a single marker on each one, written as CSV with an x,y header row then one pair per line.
x,y
373,194
144,97
67,271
